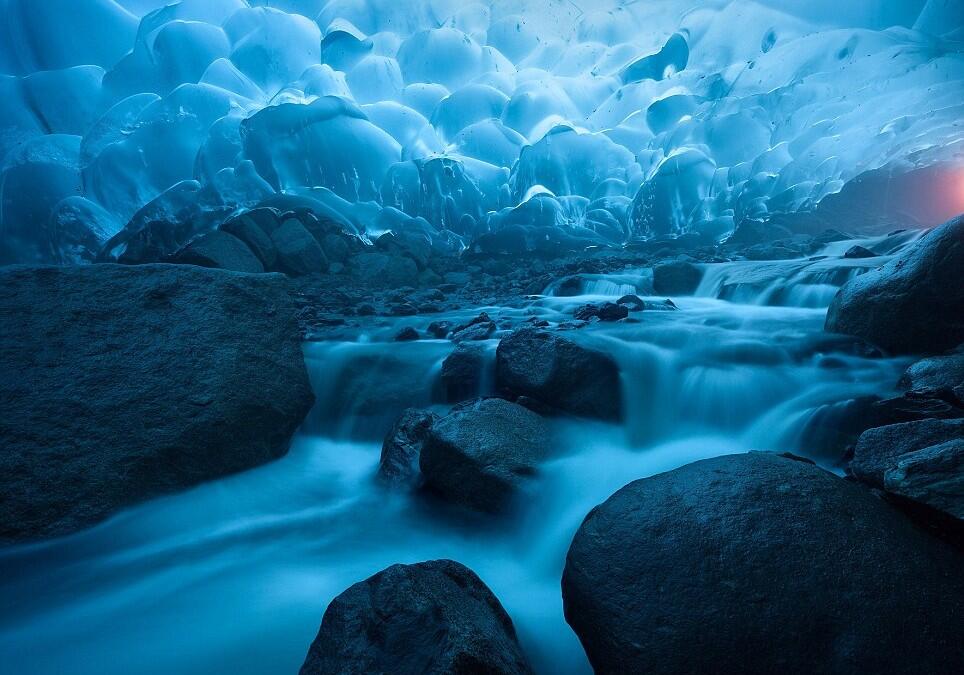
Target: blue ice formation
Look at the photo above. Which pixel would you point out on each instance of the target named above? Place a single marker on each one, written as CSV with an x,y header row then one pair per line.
x,y
591,122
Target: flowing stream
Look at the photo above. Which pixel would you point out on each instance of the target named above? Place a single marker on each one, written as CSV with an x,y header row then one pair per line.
x,y
234,575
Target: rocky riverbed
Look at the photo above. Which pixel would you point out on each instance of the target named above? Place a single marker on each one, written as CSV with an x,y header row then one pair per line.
x,y
480,434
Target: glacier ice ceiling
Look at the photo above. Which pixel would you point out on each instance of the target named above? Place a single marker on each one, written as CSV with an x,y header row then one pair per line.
x,y
522,337
606,121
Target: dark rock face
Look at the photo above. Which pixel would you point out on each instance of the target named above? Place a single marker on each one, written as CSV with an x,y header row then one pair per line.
x,y
480,328
462,372
222,251
252,228
482,452
407,334
676,278
394,271
856,252
403,445
431,618
936,372
298,252
633,303
133,382
922,461
913,304
559,372
607,311
759,564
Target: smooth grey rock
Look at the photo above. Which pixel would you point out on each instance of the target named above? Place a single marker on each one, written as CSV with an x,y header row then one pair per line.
x,y
914,303
758,564
481,453
431,618
123,383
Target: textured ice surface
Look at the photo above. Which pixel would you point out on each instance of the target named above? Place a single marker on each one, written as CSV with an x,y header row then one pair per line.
x,y
615,119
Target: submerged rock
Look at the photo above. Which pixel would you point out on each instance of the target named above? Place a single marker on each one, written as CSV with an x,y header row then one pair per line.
x,y
677,278
431,618
560,373
633,303
134,382
481,453
403,445
921,461
758,563
607,311
914,303
406,334
857,252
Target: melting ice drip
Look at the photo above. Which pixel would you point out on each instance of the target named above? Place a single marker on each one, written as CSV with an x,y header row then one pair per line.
x,y
601,121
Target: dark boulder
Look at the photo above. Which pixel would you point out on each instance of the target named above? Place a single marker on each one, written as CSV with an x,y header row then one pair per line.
x,y
560,372
677,278
759,563
914,303
750,232
431,618
380,269
403,445
134,382
936,372
921,461
633,303
481,327
857,252
406,334
440,329
298,252
607,311
253,229
481,453
220,250
463,372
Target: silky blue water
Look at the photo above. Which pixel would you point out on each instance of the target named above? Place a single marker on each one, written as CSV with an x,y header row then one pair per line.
x,y
235,575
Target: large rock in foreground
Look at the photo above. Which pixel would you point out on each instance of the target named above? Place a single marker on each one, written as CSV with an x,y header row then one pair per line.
x,y
914,303
559,372
432,618
758,563
482,452
125,383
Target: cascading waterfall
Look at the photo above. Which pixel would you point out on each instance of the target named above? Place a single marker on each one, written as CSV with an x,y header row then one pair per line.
x,y
713,378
